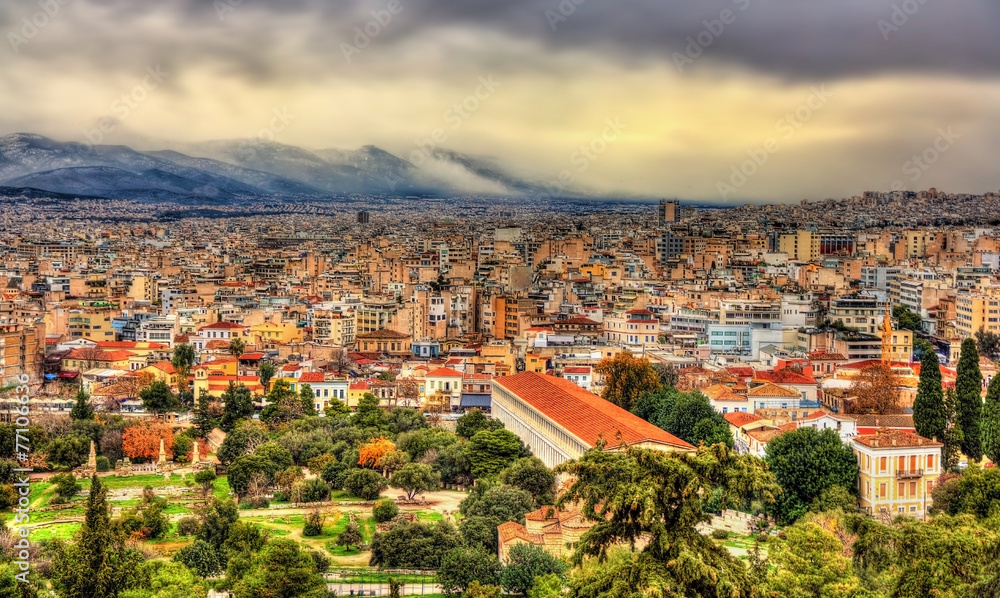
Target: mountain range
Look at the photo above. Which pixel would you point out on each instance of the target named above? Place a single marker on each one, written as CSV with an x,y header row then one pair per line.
x,y
233,170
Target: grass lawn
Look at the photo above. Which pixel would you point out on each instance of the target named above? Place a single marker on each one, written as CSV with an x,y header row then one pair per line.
x,y
57,531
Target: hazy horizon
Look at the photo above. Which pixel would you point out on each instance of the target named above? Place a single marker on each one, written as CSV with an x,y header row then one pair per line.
x,y
635,99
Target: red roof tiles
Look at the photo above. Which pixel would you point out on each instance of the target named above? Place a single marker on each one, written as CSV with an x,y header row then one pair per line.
x,y
583,414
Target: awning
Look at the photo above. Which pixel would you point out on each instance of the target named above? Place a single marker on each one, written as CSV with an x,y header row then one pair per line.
x,y
483,401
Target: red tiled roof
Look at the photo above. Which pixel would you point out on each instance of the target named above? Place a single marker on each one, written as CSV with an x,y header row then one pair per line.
x,y
312,377
251,356
785,377
130,345
772,390
165,366
824,356
576,369
741,371
89,355
584,414
740,419
443,373
222,326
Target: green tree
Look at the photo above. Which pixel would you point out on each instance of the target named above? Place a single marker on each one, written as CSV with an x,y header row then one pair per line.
x,y
906,318
405,419
66,486
82,409
929,417
281,570
463,565
548,586
480,532
283,405
183,359
499,503
237,347
366,484
489,453
991,421
204,421
266,372
247,470
199,557
68,451
640,494
474,420
98,564
237,404
968,391
308,398
414,545
218,517
532,476
987,343
206,479
164,579
626,378
805,462
369,413
241,441
418,443
414,478
157,398
811,562
384,510
313,524
351,536
525,563
951,451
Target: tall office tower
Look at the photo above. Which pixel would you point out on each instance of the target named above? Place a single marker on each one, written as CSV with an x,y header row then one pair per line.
x,y
668,211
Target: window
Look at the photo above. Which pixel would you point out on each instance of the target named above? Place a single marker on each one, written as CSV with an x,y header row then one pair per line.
x,y
881,490
882,464
901,490
913,488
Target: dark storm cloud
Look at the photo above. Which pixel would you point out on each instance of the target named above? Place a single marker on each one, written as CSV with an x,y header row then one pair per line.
x,y
790,39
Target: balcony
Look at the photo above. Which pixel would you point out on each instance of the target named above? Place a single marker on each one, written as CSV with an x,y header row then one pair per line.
x,y
909,473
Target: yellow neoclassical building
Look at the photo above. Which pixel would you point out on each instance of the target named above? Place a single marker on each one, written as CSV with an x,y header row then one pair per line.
x,y
898,472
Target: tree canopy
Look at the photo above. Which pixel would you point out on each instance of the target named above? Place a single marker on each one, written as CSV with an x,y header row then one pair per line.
x,y
805,462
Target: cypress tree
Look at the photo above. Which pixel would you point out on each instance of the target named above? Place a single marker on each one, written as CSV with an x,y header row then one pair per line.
x,y
929,415
991,421
968,389
82,408
98,564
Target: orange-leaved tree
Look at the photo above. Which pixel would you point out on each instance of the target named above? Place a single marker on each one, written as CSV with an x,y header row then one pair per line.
x,y
142,440
374,454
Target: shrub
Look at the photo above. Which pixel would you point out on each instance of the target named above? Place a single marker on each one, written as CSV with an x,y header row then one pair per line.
x,y
720,534
255,503
762,537
187,526
314,524
321,560
103,464
384,510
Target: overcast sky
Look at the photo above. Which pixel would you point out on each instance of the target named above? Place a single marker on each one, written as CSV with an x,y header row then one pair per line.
x,y
830,98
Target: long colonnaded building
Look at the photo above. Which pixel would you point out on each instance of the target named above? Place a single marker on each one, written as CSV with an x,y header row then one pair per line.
x,y
560,421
